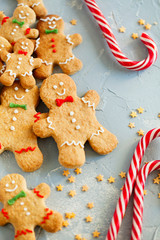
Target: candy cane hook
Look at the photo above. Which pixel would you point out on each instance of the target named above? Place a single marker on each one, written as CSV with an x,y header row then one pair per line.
x,y
138,198
114,47
129,183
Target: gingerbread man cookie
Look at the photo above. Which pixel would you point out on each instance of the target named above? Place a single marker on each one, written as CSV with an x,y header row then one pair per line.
x,y
17,26
20,64
36,5
4,44
54,48
17,116
25,208
72,121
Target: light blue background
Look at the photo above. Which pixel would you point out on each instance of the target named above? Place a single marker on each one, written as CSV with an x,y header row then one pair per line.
x,y
121,92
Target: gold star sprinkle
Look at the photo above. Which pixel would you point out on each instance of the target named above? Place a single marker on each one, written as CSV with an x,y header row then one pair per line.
x,y
99,178
159,115
156,180
133,114
72,193
65,223
59,188
122,29
71,179
134,35
78,237
70,215
158,195
73,22
90,205
111,179
88,218
158,175
84,239
148,26
121,188
85,188
140,132
131,125
145,192
96,234
66,173
141,22
78,171
140,110
122,174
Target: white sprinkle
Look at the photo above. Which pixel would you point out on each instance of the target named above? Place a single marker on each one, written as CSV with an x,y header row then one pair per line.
x,y
2,45
14,119
25,209
20,59
78,127
16,26
16,88
22,203
18,67
61,83
19,63
15,111
12,128
7,185
73,120
71,113
14,30
28,213
54,86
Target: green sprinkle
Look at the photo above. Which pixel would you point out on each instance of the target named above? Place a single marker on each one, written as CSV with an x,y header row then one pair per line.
x,y
13,200
19,23
47,31
13,105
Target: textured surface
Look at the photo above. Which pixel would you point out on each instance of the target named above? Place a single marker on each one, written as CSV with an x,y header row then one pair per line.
x,y
121,91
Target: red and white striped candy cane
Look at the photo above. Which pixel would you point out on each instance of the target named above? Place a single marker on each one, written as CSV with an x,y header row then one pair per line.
x,y
138,198
129,183
113,45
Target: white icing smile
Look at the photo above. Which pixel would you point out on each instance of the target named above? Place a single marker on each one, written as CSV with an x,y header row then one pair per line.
x,y
52,27
20,16
61,94
15,96
24,48
12,190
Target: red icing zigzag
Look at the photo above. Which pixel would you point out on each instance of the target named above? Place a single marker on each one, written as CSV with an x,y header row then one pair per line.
x,y
19,233
37,117
27,31
47,216
5,214
37,193
25,150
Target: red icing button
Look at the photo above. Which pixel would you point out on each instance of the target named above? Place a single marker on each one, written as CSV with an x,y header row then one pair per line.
x,y
52,40
53,45
54,50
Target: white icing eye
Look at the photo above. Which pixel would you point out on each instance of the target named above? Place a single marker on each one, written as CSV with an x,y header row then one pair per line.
x,y
26,43
49,23
61,83
54,86
27,14
21,11
25,209
22,203
71,113
78,127
53,22
22,43
26,90
15,111
16,88
13,182
7,185
73,120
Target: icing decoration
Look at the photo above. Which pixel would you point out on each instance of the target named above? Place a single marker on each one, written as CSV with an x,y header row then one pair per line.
x,y
25,150
0,146
3,69
15,198
22,52
19,23
20,233
47,63
31,60
73,120
18,98
27,73
71,113
4,20
47,31
14,119
8,57
50,123
69,39
35,4
5,214
50,19
54,50
59,102
67,60
73,143
12,128
52,40
61,94
22,4
37,193
26,90
37,44
47,216
16,88
13,105
36,116
89,103
15,111
11,190
13,43
11,73
27,31
96,134
78,127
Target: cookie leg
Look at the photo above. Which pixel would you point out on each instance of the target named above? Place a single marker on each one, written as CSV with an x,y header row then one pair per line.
x,y
71,66
7,78
102,141
2,68
25,234
53,223
40,10
44,71
28,158
71,156
27,81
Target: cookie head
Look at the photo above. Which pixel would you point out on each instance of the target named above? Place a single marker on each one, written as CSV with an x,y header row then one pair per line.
x,y
18,95
25,45
57,86
24,14
50,24
10,186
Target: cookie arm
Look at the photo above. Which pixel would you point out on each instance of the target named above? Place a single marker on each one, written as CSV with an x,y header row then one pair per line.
x,y
2,16
34,33
42,190
76,39
41,128
54,221
37,63
3,55
4,220
93,98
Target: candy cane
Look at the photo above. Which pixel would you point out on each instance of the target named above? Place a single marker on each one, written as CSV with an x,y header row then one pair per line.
x,y
129,183
138,198
113,45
